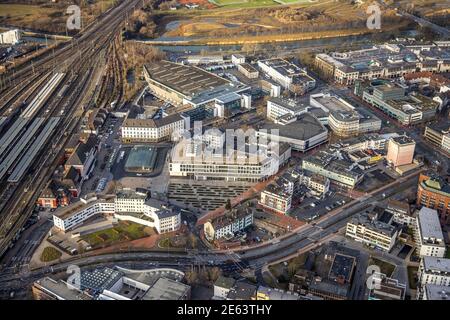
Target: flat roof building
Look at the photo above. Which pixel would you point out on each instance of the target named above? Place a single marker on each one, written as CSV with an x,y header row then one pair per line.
x,y
372,232
429,235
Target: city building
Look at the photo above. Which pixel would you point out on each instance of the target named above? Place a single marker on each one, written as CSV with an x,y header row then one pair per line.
x,y
372,232
328,290
287,74
138,128
429,236
242,291
237,59
125,205
389,60
225,226
438,135
50,289
183,85
222,287
343,118
10,37
402,213
248,70
435,292
434,270
265,293
333,166
279,107
83,157
302,132
193,158
385,288
392,99
434,192
276,198
118,284
400,151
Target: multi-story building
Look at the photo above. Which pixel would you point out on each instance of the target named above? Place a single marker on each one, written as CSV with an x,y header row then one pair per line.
x,y
302,132
372,232
222,287
279,107
265,293
226,225
434,192
382,61
287,74
392,100
125,205
435,292
83,157
193,159
276,198
334,167
385,288
429,236
343,118
434,270
248,70
400,151
10,37
402,213
138,129
439,136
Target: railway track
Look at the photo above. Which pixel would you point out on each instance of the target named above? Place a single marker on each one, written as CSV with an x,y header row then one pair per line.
x,y
81,60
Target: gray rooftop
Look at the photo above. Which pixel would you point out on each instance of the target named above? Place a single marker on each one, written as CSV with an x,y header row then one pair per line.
x,y
429,224
304,128
436,264
436,292
167,289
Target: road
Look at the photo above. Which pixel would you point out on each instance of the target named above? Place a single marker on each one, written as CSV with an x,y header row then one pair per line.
x,y
231,263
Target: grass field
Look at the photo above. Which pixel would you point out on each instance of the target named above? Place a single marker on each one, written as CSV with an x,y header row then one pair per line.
x,y
124,231
258,3
48,17
244,3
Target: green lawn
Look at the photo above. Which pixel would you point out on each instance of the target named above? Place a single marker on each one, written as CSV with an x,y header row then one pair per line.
x,y
50,254
124,231
385,267
244,3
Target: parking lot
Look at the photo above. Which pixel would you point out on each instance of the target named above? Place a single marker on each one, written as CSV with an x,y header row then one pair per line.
x,y
313,208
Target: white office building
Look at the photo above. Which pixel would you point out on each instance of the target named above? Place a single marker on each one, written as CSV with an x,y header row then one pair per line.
x,y
126,205
10,37
152,130
429,235
433,270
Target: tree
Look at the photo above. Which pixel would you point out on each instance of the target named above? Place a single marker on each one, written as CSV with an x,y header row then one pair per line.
x,y
228,205
191,277
192,240
214,273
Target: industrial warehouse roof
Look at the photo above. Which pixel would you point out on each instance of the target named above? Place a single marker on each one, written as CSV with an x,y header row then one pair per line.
x,y
305,128
187,80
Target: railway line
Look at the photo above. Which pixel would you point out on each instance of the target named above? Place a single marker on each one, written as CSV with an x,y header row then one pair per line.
x,y
53,116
